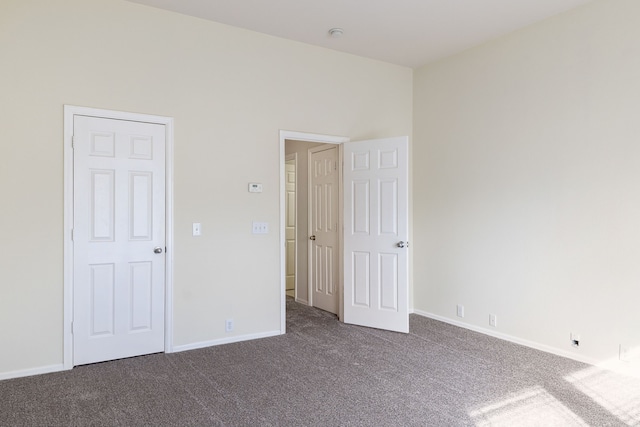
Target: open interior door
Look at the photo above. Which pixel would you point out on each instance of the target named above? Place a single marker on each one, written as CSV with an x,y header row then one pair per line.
x,y
376,206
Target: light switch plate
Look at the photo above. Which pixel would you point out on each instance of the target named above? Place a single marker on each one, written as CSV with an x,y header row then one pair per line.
x,y
197,229
260,227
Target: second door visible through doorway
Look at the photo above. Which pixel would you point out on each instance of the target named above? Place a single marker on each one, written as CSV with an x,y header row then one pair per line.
x,y
323,227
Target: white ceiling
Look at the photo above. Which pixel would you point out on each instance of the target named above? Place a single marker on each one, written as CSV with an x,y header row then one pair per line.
x,y
405,32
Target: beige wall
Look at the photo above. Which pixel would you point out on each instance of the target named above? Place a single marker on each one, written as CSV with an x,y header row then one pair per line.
x,y
525,165
230,92
527,182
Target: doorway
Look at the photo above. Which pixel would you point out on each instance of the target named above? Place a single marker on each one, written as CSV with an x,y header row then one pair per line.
x,y
298,143
373,288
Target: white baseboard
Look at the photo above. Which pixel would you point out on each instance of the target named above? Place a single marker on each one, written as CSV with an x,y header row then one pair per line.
x,y
176,349
302,301
237,338
32,371
510,338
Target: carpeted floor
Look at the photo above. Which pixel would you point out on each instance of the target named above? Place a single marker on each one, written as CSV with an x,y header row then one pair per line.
x,y
324,373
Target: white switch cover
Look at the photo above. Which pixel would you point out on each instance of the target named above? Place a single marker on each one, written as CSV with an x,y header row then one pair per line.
x,y
260,227
197,229
255,187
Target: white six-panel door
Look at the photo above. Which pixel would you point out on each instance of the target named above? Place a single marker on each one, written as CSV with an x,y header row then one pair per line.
x,y
376,289
118,239
323,268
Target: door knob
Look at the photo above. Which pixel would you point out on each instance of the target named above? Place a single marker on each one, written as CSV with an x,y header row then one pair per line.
x,y
312,237
157,250
402,244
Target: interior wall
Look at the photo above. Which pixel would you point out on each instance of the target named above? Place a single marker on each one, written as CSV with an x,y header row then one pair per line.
x,y
230,92
302,211
526,201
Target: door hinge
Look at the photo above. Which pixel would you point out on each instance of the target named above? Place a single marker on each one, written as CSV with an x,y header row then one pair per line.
x,y
72,328
335,165
73,141
72,235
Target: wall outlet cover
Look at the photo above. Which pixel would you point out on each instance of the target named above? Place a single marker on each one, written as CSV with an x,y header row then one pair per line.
x,y
629,353
493,320
197,229
575,339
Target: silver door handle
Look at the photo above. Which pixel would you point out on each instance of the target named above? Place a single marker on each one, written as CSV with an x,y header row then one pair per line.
x,y
312,237
402,244
157,250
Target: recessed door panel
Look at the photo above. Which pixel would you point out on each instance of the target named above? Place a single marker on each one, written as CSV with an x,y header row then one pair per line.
x,y
102,144
141,288
360,160
361,279
360,215
330,210
388,159
318,222
102,205
140,205
102,286
318,271
328,257
291,210
387,208
388,285
141,147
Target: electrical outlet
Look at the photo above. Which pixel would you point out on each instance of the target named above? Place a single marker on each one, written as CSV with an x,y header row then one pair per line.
x,y
624,353
460,310
575,339
493,320
228,325
629,353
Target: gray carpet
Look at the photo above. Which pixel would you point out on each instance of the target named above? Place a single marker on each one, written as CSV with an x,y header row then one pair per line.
x,y
324,373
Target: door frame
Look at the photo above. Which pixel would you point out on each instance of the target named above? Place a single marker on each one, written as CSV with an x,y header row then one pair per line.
x,y
69,112
309,137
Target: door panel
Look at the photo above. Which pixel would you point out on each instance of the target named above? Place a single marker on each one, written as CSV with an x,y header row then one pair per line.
x,y
324,226
376,285
102,290
119,218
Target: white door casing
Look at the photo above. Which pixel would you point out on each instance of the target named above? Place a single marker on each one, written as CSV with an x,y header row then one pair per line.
x,y
119,239
324,240
376,266
290,218
286,135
